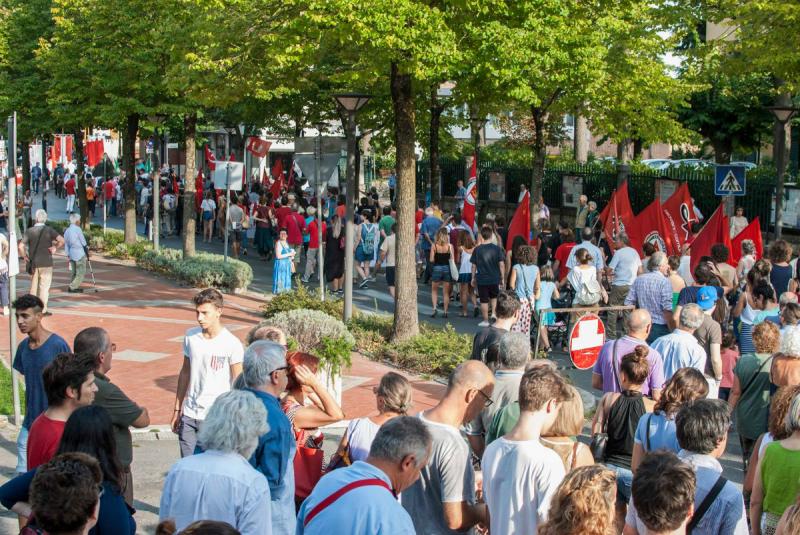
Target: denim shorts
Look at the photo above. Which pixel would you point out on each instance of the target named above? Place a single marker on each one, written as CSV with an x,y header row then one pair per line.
x,y
465,278
441,274
624,482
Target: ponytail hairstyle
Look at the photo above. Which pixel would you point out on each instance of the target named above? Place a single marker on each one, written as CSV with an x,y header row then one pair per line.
x,y
635,366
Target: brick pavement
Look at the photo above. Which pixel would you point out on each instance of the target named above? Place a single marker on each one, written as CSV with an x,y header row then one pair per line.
x,y
147,316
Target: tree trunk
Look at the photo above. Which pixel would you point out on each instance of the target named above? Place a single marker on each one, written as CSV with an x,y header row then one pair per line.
x,y
622,151
129,187
638,147
581,141
26,166
189,190
780,144
434,171
723,149
83,204
406,322
539,155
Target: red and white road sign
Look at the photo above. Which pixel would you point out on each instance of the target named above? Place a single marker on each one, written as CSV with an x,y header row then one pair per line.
x,y
587,337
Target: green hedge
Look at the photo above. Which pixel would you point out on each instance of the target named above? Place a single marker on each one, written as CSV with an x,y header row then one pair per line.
x,y
302,298
202,270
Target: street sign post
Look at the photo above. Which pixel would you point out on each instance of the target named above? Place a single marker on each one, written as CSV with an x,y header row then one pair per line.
x,y
729,180
585,341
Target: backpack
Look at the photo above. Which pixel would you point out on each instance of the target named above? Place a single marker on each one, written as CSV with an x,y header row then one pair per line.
x,y
589,293
368,237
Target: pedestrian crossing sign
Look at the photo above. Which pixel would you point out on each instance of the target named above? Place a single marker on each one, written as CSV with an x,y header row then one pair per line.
x,y
729,180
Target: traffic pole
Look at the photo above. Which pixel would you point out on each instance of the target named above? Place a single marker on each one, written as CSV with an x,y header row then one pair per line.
x,y
227,207
12,275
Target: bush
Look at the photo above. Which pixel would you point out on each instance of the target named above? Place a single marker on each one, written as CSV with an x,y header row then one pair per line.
x,y
317,333
433,350
301,298
202,270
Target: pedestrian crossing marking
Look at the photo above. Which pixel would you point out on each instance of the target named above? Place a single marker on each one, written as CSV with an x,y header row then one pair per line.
x,y
730,184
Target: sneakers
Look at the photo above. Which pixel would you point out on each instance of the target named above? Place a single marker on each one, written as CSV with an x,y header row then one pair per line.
x,y
483,324
363,283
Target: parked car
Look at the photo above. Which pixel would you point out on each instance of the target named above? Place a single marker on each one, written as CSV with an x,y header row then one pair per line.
x,y
691,162
746,165
657,164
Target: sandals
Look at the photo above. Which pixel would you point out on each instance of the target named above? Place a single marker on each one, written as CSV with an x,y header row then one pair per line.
x,y
434,313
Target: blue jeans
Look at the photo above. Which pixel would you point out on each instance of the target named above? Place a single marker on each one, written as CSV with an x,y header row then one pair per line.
x,y
656,331
22,450
624,482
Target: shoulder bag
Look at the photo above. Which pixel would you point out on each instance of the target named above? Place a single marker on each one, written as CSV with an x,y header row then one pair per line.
x,y
307,467
600,440
453,266
706,504
342,458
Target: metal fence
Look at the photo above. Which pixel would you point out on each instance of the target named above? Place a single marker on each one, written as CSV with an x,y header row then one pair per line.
x,y
600,180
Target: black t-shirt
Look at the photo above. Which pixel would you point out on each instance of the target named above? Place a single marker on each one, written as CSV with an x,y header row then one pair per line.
x,y
485,345
38,239
487,258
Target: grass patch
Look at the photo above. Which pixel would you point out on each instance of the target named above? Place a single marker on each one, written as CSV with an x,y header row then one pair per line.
x,y
6,393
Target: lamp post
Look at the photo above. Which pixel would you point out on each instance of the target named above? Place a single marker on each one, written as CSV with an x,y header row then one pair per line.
x,y
11,224
350,103
783,114
477,123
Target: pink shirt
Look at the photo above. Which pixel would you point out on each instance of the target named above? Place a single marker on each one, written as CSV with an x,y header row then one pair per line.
x,y
729,359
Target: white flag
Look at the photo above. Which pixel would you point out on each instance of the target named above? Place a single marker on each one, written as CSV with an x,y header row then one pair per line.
x,y
13,255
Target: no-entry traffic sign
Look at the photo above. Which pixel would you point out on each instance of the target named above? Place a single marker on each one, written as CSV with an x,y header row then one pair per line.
x,y
587,337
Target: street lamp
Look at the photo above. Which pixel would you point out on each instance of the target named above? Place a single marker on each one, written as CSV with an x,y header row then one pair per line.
x,y
477,123
783,114
350,103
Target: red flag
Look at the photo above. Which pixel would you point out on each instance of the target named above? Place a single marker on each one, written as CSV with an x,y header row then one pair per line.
x,y
94,152
521,222
679,216
750,232
291,176
211,160
232,157
618,216
468,214
258,147
714,231
652,228
68,150
277,178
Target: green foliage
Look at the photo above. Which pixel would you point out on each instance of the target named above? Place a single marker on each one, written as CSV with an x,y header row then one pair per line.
x,y
317,333
299,298
6,393
433,350
202,270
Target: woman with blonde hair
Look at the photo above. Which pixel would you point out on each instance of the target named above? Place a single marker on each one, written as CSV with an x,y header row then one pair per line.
x,y
560,437
440,256
393,398
583,504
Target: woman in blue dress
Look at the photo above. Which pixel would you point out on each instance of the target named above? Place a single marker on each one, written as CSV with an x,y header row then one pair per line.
x,y
282,269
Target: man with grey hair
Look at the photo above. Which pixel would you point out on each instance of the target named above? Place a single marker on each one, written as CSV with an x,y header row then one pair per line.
x,y
364,494
581,214
587,235
680,349
514,352
219,484
652,291
443,500
265,375
623,269
77,252
37,247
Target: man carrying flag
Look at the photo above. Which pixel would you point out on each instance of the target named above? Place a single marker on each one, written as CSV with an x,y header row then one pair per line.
x,y
472,194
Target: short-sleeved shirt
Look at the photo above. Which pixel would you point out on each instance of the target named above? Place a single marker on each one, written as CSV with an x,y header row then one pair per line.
x,y
661,432
31,363
753,406
389,246
487,258
235,217
626,264
562,254
506,390
210,374
486,339
69,185
519,480
604,367
430,226
597,255
38,240
43,439
385,224
679,349
447,478
653,292
108,189
123,413
707,334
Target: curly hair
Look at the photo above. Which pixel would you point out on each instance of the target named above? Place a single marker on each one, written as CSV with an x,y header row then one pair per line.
x,y
766,337
780,251
778,410
687,384
583,504
526,255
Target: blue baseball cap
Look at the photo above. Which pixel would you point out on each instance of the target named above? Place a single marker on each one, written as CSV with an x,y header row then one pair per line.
x,y
707,297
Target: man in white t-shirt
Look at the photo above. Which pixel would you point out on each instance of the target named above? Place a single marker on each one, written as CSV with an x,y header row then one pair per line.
x,y
212,361
386,259
442,501
520,475
623,269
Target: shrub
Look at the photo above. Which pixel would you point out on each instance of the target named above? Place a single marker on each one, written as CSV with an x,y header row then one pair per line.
x,y
302,298
317,333
202,270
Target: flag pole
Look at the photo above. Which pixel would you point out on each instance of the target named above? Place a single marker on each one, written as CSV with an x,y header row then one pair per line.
x,y
13,253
